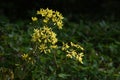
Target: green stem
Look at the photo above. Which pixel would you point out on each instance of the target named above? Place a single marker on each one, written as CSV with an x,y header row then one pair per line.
x,y
55,59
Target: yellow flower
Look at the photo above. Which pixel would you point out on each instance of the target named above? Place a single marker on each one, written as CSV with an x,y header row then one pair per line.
x,y
45,38
36,35
65,46
69,55
46,20
54,19
42,12
43,48
27,58
74,54
59,24
79,57
34,18
72,51
59,15
49,15
38,12
24,56
77,46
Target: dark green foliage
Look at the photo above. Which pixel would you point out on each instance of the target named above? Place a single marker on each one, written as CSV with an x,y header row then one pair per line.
x,y
100,40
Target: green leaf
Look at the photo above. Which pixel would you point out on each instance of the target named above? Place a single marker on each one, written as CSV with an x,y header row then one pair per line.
x,y
51,68
62,75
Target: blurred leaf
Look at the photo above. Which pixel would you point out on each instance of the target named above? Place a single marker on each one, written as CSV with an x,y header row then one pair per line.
x,y
62,75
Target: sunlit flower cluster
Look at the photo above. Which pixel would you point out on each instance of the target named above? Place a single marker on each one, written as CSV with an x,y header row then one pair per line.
x,y
73,51
46,39
51,16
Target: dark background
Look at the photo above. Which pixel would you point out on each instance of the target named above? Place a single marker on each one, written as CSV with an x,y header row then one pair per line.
x,y
92,9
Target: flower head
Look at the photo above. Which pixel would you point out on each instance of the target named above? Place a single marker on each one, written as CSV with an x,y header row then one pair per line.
x,y
34,18
54,17
73,51
46,39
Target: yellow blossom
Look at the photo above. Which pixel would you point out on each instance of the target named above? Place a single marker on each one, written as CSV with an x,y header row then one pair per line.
x,y
72,51
42,12
43,48
59,15
27,58
69,55
59,23
36,35
77,46
79,57
24,56
46,20
65,46
45,38
50,15
34,18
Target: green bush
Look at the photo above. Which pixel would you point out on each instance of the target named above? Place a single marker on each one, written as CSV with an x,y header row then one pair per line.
x,y
99,39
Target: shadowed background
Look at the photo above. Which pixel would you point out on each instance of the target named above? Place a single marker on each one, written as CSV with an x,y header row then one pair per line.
x,y
92,9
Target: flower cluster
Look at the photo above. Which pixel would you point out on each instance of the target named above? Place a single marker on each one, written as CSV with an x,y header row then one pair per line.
x,y
46,39
73,51
50,16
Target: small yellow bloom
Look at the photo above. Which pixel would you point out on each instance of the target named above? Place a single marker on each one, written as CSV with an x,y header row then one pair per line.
x,y
81,47
50,13
79,57
36,35
73,53
77,46
34,18
59,24
65,46
45,20
42,47
42,12
69,55
24,56
59,15
54,19
38,12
